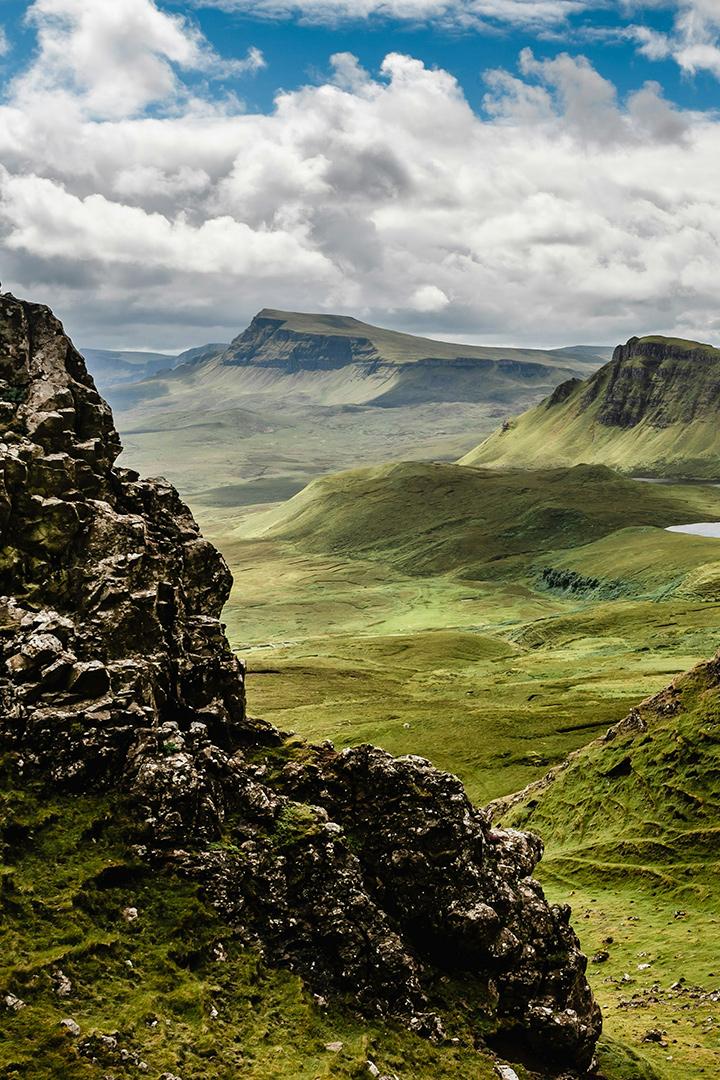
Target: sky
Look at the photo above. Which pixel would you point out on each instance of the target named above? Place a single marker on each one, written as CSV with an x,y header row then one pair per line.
x,y
526,172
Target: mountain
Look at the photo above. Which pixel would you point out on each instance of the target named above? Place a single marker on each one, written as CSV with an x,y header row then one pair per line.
x,y
337,360
298,341
113,367
297,395
174,871
654,411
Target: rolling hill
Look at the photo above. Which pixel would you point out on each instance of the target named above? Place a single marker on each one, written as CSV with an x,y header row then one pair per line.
x,y
652,411
436,518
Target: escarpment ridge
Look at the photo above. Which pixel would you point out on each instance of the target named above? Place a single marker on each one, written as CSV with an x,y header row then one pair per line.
x,y
653,410
367,874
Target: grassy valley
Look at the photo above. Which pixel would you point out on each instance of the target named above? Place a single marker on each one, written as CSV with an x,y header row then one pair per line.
x,y
498,619
496,623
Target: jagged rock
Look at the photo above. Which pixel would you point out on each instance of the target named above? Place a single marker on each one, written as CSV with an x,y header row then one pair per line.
x,y
363,872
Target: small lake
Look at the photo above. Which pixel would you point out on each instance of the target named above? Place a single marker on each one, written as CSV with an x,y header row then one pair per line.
x,y
675,482
702,528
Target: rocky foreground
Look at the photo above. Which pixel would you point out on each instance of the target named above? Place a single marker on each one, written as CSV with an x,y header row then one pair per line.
x,y
365,873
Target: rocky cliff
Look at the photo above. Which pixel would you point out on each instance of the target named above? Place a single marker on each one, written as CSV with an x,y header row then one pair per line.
x,y
653,409
368,875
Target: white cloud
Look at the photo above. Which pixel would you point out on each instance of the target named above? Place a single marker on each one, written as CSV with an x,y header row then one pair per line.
x,y
564,213
114,59
694,42
4,43
429,298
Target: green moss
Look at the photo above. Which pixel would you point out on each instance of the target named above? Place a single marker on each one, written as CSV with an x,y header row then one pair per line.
x,y
295,824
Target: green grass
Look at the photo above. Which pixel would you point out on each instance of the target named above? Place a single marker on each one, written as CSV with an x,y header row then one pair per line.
x,y
645,562
353,631
632,829
426,519
154,984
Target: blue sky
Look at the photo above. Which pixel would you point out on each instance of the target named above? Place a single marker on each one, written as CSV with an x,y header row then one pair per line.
x,y
298,52
526,171
297,49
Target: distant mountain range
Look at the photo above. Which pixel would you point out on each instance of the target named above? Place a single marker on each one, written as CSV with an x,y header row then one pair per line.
x,y
334,359
654,411
115,367
297,395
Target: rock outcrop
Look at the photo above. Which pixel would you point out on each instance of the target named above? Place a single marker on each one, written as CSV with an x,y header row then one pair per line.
x,y
366,873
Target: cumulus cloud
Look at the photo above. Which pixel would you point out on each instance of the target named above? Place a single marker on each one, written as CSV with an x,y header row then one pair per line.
x,y
570,87
115,59
562,212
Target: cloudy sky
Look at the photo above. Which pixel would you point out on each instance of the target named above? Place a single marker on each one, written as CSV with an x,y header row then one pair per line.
x,y
518,171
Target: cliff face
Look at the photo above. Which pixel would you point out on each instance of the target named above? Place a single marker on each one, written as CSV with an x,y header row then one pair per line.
x,y
656,380
267,342
653,408
367,874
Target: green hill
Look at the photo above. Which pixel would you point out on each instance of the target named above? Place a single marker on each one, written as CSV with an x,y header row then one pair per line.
x,y
638,562
654,410
631,825
659,771
434,518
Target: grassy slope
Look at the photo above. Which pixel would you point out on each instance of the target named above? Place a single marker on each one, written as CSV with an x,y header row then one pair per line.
x,y
67,876
634,824
647,562
568,433
547,437
426,519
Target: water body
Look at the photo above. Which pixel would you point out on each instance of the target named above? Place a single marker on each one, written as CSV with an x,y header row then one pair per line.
x,y
702,528
672,480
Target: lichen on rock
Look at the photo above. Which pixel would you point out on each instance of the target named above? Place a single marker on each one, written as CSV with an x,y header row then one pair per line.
x,y
367,874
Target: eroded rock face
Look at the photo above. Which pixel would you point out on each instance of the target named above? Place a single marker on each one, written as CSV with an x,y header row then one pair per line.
x,y
656,381
366,873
